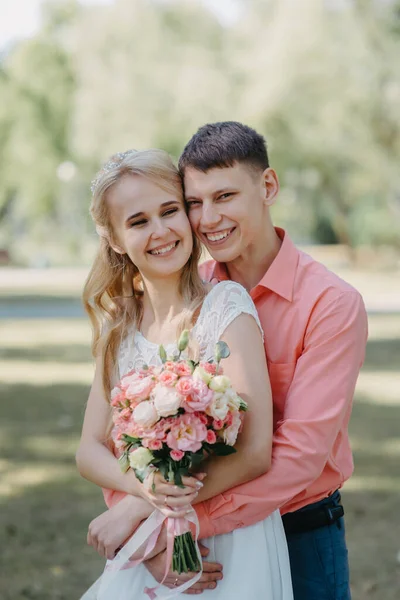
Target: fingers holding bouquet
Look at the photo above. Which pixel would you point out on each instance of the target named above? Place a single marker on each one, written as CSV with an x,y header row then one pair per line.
x,y
171,499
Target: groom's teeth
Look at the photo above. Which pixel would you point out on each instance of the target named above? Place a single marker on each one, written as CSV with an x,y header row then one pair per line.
x,y
216,237
164,250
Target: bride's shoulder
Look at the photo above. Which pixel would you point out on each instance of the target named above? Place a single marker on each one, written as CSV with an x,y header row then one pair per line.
x,y
227,289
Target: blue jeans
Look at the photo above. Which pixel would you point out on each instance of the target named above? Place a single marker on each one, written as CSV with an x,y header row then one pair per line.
x,y
319,560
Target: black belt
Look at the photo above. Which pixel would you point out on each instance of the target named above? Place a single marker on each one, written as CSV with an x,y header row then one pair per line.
x,y
313,518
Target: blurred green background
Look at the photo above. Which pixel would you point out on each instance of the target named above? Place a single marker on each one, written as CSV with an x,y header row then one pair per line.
x,y
321,80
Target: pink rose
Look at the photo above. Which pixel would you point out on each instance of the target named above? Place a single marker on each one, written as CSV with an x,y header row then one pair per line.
x,y
169,365
140,389
184,386
211,437
218,424
211,368
200,397
127,379
187,434
155,445
203,417
125,414
182,369
166,400
168,378
145,414
117,397
177,454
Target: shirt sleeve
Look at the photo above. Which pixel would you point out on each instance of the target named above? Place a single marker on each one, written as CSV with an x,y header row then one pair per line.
x,y
318,403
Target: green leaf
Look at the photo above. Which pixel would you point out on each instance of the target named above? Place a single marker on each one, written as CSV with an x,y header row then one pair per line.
x,y
162,353
221,449
141,475
243,405
183,340
197,458
163,466
131,440
221,351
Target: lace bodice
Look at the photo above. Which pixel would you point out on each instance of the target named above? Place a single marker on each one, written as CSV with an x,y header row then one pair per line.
x,y
224,303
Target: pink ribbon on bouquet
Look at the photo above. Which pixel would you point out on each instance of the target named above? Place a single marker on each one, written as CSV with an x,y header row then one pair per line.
x,y
148,532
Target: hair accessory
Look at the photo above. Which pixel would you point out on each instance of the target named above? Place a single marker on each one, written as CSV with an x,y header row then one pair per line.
x,y
114,161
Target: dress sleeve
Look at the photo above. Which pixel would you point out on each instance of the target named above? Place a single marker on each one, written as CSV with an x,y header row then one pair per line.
x,y
226,301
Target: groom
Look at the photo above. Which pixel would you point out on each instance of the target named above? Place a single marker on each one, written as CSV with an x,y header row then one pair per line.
x,y
315,330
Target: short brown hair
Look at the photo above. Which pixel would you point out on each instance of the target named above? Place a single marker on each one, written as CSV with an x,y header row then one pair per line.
x,y
222,145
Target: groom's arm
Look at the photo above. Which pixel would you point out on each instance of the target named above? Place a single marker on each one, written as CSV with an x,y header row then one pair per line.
x,y
317,407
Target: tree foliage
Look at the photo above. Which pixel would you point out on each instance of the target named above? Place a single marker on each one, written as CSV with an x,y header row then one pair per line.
x,y
321,80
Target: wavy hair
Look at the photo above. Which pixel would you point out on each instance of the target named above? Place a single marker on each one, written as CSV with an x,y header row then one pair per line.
x,y
113,291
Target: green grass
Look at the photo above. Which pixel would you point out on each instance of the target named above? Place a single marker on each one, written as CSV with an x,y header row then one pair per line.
x,y
45,507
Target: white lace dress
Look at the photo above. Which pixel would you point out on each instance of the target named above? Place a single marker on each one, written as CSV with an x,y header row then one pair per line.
x,y
255,558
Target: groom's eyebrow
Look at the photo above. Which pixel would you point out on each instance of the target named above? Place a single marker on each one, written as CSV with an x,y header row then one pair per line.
x,y
141,213
223,190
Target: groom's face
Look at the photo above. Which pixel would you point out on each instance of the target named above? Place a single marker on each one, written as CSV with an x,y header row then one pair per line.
x,y
226,208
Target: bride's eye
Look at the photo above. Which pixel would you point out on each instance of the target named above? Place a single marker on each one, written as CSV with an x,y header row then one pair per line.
x,y
135,223
169,212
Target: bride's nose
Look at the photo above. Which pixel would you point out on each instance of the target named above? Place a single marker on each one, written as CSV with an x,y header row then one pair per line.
x,y
160,229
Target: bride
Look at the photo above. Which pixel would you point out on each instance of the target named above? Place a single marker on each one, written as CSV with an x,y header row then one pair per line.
x,y
142,291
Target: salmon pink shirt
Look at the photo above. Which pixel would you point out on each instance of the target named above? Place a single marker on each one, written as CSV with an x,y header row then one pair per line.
x,y
315,328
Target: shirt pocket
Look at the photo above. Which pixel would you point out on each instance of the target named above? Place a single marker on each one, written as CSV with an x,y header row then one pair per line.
x,y
281,377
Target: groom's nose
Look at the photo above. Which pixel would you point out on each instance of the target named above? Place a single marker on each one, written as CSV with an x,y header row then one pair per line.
x,y
209,215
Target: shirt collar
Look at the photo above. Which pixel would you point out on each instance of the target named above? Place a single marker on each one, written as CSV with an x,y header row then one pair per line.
x,y
281,274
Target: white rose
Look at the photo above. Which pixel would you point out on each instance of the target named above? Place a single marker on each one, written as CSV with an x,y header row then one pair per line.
x,y
234,401
140,458
220,383
218,408
145,414
230,433
166,400
200,373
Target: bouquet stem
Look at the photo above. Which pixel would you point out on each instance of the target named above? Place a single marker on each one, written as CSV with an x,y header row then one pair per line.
x,y
184,558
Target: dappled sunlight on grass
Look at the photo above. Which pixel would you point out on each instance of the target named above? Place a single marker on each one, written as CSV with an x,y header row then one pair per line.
x,y
16,480
380,387
47,373
31,333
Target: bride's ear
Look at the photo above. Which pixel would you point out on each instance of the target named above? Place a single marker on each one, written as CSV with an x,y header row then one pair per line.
x,y
117,248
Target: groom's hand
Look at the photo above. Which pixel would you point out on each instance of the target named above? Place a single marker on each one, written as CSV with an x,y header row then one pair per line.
x,y
109,531
212,573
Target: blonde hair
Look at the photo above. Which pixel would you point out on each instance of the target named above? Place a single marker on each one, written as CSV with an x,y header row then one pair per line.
x,y
113,291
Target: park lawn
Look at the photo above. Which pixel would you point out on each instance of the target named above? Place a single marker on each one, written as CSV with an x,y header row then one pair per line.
x,y
45,374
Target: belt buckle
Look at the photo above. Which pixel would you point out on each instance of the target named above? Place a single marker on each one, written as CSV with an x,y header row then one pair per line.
x,y
330,513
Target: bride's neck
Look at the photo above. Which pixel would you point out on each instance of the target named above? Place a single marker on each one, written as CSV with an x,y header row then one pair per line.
x,y
162,305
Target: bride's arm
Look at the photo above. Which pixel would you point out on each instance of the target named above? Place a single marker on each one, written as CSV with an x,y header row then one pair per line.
x,y
94,459
247,369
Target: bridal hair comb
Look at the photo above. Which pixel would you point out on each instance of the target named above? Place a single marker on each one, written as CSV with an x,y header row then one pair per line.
x,y
114,161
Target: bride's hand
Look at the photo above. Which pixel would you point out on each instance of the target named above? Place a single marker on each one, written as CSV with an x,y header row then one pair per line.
x,y
169,497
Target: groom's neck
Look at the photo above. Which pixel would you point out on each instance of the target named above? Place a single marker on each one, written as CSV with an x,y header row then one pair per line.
x,y
250,267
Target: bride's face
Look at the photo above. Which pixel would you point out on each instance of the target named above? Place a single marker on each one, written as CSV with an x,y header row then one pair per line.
x,y
150,225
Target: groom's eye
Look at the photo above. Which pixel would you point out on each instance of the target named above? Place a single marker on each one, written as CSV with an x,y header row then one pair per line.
x,y
192,203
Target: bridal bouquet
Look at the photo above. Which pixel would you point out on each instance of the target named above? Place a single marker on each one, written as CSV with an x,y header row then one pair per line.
x,y
171,418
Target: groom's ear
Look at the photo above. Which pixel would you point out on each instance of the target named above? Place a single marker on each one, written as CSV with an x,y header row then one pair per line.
x,y
271,186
